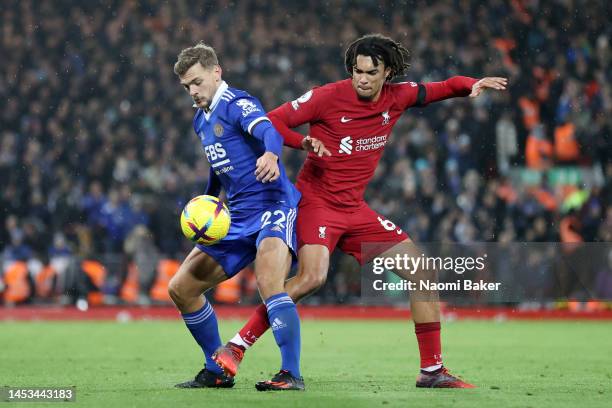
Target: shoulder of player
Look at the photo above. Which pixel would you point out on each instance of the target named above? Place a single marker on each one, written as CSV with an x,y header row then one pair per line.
x,y
231,95
231,99
323,94
400,85
239,98
324,90
343,85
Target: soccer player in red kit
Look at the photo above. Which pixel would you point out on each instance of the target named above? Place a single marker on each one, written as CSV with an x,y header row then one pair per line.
x,y
354,118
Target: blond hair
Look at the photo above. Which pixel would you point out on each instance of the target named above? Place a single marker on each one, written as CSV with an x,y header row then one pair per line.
x,y
201,52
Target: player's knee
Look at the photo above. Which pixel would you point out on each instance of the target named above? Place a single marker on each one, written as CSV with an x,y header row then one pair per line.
x,y
175,291
313,279
318,280
261,280
268,285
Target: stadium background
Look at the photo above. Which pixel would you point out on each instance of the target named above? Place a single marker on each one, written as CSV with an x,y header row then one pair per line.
x,y
98,156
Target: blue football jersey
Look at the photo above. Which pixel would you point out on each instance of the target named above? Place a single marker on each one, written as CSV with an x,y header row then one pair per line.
x,y
232,151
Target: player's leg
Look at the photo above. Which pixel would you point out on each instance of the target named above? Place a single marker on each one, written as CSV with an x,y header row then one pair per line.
x,y
313,263
319,229
198,273
271,268
425,308
387,240
272,265
424,305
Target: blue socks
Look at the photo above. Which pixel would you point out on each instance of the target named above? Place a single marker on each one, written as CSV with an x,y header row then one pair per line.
x,y
285,324
284,321
204,328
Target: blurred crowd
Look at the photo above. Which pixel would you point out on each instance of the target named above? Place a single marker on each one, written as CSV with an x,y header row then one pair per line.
x,y
97,154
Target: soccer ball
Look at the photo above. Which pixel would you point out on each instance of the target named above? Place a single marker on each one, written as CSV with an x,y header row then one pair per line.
x,y
205,220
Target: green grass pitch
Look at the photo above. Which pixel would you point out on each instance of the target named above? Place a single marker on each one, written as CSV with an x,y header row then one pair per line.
x,y
345,364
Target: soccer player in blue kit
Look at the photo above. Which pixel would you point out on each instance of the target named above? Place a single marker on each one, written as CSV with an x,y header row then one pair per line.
x,y
243,150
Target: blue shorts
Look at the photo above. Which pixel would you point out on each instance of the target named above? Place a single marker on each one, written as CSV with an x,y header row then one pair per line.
x,y
248,228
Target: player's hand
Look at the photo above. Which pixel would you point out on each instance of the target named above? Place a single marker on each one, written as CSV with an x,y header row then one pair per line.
x,y
310,144
488,82
266,169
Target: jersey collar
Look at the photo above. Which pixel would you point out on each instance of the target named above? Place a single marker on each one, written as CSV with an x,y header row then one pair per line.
x,y
215,101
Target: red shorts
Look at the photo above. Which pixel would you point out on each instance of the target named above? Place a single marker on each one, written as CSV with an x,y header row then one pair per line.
x,y
321,224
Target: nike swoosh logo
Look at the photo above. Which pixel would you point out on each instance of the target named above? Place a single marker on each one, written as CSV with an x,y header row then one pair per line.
x,y
345,119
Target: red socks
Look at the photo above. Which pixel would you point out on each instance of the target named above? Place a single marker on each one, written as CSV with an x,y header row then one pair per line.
x,y
256,326
428,336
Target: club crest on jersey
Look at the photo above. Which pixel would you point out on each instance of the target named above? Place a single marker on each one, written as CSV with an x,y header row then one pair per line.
x,y
322,232
386,118
247,106
218,129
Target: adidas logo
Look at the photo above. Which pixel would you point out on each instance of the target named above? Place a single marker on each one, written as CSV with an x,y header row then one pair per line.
x,y
346,145
277,324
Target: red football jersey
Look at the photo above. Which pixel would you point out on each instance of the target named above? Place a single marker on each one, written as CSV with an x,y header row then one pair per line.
x,y
354,131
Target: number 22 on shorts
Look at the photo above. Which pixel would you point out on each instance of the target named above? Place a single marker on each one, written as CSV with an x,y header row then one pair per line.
x,y
278,214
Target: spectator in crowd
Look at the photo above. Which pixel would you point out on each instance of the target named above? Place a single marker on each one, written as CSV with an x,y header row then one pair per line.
x,y
95,137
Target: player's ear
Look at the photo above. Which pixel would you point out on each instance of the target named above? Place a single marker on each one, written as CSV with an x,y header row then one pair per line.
x,y
387,73
218,71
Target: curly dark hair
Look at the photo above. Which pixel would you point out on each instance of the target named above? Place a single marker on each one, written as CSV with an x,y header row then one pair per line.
x,y
380,48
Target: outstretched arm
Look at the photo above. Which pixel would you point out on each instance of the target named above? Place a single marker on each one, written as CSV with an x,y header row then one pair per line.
x,y
457,86
488,82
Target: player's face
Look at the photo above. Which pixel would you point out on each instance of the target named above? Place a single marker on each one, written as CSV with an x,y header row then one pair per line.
x,y
368,79
201,83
